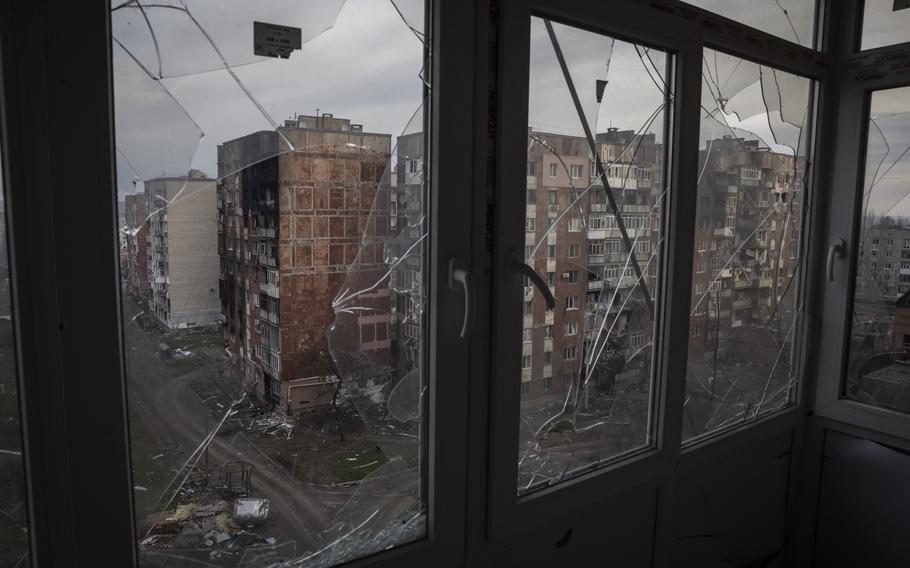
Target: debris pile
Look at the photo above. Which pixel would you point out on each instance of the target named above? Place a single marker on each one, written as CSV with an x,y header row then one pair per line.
x,y
219,525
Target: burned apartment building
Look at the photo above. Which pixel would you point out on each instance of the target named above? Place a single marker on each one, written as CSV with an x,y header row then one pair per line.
x,y
745,279
573,240
747,239
744,270
292,241
181,250
137,277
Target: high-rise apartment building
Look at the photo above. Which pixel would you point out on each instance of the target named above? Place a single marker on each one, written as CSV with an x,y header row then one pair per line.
x,y
292,228
747,238
884,267
182,250
572,239
135,213
746,256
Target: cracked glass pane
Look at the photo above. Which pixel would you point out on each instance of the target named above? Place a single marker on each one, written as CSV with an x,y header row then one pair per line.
x,y
752,196
885,22
594,237
878,371
272,253
792,20
14,547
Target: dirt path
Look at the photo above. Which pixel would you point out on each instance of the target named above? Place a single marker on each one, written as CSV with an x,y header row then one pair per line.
x,y
175,417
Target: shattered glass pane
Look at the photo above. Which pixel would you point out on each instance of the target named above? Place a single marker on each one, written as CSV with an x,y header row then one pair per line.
x,y
752,196
792,20
878,372
272,253
14,547
593,233
885,22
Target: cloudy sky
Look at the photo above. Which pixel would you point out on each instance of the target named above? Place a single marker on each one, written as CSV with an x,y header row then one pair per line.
x,y
360,61
364,67
887,182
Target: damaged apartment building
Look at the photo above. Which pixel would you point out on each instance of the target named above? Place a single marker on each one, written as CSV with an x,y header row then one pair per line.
x,y
289,234
182,261
749,198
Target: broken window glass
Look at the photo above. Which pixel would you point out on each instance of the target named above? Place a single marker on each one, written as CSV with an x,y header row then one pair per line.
x,y
885,22
14,538
273,241
597,113
878,372
752,197
792,20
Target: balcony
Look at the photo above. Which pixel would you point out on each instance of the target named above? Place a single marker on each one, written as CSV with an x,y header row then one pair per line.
x,y
740,304
266,260
266,232
723,232
269,289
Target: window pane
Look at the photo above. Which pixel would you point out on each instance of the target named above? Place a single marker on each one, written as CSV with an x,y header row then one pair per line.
x,y
607,236
792,20
14,549
878,371
273,234
885,22
751,195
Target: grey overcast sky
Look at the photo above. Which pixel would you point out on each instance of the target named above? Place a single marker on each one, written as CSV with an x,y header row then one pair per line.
x,y
888,153
362,63
365,68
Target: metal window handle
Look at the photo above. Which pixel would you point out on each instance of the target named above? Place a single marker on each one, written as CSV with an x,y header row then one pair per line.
x,y
533,276
834,251
459,276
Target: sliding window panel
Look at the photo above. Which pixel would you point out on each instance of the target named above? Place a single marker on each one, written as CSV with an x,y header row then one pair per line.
x,y
277,219
594,236
752,198
862,309
14,517
582,297
877,371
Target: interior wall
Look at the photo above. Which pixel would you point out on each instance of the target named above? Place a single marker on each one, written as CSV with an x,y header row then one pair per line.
x,y
864,504
734,513
618,531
